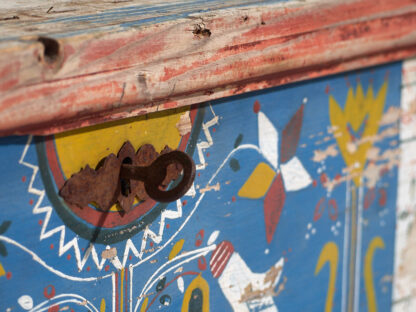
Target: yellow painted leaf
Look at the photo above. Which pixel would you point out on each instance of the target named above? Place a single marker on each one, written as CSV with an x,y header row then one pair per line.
x,y
258,182
102,305
144,305
2,271
176,249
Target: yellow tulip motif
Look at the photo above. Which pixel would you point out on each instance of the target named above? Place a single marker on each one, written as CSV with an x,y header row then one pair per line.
x,y
361,115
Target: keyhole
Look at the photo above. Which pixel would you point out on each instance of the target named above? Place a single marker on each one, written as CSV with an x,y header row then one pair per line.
x,y
125,183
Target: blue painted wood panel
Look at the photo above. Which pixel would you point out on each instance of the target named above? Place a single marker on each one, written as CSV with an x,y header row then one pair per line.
x,y
292,209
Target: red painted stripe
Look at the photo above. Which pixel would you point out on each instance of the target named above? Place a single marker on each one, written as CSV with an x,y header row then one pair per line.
x,y
220,257
222,266
216,265
216,253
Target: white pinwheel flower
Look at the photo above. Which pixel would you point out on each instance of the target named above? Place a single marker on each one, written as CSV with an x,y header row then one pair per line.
x,y
283,172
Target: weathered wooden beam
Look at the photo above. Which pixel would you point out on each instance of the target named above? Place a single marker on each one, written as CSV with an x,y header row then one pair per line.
x,y
68,81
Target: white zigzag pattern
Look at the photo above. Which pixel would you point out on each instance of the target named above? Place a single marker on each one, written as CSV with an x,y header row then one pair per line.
x,y
47,210
171,214
208,143
148,233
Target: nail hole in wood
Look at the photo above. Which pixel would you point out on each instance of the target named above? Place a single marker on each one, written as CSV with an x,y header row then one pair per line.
x,y
51,49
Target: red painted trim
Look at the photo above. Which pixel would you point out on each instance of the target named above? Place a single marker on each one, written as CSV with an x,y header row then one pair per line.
x,y
108,76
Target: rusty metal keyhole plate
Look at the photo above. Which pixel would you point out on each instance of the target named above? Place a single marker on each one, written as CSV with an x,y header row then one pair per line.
x,y
129,175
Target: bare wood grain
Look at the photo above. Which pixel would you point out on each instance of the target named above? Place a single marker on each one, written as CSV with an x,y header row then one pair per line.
x,y
100,76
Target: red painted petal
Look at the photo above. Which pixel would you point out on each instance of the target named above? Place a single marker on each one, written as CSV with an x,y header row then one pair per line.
x,y
273,206
290,136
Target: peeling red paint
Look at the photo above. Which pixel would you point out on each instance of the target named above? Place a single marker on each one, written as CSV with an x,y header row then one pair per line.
x,y
9,76
169,105
98,79
93,93
23,97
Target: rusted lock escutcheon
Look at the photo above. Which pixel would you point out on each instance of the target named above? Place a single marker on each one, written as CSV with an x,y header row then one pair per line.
x,y
130,175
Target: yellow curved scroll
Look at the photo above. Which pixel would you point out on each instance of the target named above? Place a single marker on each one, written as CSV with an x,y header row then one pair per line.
x,y
329,253
376,243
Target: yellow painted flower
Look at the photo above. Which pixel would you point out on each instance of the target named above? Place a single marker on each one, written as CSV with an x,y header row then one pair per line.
x,y
281,171
357,125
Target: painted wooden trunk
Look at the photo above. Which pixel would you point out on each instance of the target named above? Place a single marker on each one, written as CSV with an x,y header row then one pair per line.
x,y
305,193
300,200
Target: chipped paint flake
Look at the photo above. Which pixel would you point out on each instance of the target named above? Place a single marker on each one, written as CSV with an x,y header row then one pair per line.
x,y
215,187
109,253
184,125
392,116
321,155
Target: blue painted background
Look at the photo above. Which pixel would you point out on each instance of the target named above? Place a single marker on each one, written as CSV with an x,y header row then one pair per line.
x,y
239,221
